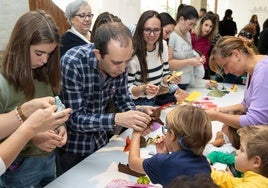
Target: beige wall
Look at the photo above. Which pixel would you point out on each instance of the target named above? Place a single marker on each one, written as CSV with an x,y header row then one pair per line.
x,y
10,11
243,10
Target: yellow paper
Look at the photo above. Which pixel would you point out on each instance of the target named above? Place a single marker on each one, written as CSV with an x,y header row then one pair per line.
x,y
233,88
175,73
193,96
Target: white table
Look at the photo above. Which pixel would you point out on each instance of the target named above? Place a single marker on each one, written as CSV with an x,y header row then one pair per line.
x,y
97,170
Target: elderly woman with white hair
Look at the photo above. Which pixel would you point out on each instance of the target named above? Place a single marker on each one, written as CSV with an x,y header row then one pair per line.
x,y
79,15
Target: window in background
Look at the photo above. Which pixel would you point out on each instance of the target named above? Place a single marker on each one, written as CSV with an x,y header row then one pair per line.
x,y
212,5
169,6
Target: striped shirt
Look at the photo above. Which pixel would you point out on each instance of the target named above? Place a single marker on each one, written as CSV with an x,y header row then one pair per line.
x,y
88,93
158,68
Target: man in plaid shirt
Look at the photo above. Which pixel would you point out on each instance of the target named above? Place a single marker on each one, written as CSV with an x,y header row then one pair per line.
x,y
92,75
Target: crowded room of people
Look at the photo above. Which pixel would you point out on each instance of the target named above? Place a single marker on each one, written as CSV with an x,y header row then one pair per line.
x,y
133,93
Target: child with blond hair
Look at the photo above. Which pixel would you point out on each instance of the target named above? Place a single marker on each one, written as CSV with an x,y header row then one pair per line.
x,y
251,159
179,150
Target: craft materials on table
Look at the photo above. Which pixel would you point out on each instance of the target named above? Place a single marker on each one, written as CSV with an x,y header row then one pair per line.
x,y
120,183
216,93
193,96
59,104
174,74
205,105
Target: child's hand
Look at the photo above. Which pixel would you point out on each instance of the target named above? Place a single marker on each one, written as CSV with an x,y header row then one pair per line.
x,y
180,95
147,130
196,61
203,59
160,144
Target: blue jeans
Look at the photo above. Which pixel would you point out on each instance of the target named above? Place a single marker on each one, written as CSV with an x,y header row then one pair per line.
x,y
33,172
66,160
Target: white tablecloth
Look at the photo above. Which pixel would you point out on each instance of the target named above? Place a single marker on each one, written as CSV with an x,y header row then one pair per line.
x,y
100,168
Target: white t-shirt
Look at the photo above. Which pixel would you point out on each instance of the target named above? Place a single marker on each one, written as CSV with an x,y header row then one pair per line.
x,y
182,49
158,68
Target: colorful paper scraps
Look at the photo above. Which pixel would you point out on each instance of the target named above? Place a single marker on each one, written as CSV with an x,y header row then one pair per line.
x,y
216,93
166,105
151,140
127,146
156,125
119,183
193,96
143,180
205,105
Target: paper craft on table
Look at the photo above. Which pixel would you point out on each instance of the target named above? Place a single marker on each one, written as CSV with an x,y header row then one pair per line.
x,y
233,88
175,73
205,105
119,183
216,93
193,96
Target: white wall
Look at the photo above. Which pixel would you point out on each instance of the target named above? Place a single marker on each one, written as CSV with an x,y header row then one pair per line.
x,y
243,10
129,11
10,11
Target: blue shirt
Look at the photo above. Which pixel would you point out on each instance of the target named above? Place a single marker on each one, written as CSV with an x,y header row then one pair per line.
x,y
163,168
87,92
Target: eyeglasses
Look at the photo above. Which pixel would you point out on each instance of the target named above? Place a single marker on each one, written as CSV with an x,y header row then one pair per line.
x,y
245,34
164,129
148,31
84,15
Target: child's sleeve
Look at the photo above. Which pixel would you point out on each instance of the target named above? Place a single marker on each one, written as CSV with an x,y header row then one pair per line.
x,y
223,179
217,156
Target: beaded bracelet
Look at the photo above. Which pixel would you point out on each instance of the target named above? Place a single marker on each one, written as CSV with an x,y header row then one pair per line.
x,y
19,114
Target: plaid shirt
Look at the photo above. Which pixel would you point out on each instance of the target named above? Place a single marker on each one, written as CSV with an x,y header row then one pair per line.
x,y
87,93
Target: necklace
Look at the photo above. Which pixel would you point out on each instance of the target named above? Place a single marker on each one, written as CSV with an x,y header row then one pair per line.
x,y
183,36
150,49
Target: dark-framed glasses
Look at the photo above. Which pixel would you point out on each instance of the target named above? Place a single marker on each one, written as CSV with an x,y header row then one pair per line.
x,y
84,15
164,129
148,31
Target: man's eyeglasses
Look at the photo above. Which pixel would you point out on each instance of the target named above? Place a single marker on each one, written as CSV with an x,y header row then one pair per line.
x,y
84,15
164,129
148,31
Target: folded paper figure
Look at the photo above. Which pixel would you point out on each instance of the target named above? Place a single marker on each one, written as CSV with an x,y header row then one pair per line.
x,y
125,169
156,117
233,88
174,74
216,93
193,96
155,123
